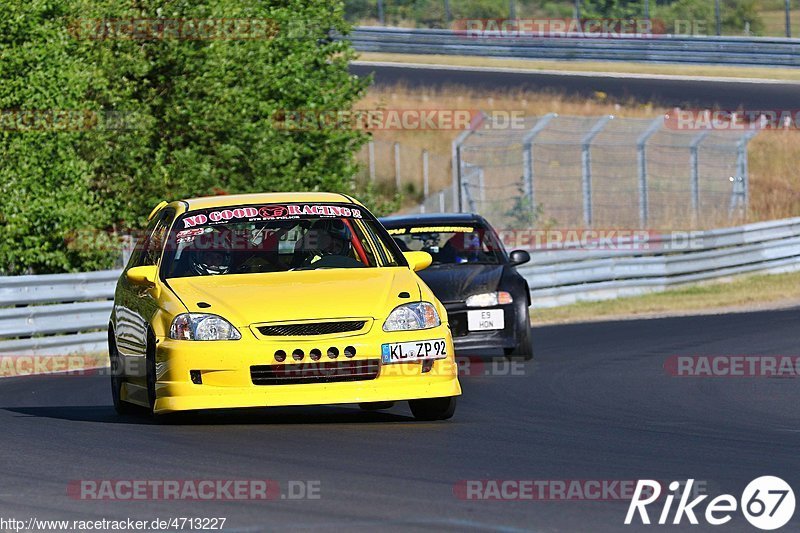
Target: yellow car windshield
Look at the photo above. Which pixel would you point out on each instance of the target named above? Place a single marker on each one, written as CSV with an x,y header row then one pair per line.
x,y
276,238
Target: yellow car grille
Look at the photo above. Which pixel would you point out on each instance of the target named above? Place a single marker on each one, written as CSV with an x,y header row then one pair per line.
x,y
311,328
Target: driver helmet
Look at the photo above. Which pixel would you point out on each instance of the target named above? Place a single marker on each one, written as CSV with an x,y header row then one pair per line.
x,y
213,259
336,229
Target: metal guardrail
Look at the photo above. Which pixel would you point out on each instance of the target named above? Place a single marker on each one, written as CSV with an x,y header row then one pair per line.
x,y
564,276
55,314
760,51
68,313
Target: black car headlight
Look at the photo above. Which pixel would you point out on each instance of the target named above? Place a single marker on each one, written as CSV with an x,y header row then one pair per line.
x,y
489,299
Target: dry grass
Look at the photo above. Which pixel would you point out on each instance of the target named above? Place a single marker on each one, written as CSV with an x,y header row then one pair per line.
x,y
774,155
775,22
737,294
774,175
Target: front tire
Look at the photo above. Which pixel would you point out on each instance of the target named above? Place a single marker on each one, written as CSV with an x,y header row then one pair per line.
x,y
121,407
150,365
524,348
433,408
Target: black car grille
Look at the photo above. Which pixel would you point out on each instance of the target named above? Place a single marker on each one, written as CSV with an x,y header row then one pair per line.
x,y
327,372
314,328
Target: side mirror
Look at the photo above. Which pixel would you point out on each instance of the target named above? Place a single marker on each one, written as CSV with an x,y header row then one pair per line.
x,y
418,260
519,257
143,275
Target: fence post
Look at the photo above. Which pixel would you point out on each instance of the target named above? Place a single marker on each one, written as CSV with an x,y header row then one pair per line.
x,y
425,181
371,156
397,165
455,158
468,195
641,154
741,181
482,186
425,175
527,156
586,167
694,162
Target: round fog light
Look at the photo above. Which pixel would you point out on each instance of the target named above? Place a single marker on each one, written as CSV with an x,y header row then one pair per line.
x,y
333,352
349,351
315,355
298,354
280,356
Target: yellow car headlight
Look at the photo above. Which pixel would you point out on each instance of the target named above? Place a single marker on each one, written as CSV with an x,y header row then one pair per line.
x,y
202,327
408,317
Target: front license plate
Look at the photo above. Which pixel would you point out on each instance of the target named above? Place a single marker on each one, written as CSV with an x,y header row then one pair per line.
x,y
406,352
483,320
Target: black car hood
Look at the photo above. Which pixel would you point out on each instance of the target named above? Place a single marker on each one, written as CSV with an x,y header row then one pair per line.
x,y
452,283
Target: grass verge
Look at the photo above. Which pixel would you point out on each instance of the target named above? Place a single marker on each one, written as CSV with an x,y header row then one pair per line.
x,y
613,67
740,293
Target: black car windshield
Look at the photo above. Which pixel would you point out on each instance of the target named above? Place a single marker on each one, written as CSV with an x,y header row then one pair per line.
x,y
276,238
451,244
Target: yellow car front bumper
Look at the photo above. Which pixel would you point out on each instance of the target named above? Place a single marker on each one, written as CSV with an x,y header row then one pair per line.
x,y
225,368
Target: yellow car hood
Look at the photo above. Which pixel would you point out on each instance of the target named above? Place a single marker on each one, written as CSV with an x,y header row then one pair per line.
x,y
245,299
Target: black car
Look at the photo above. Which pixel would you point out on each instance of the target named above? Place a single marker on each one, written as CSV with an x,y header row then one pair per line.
x,y
486,298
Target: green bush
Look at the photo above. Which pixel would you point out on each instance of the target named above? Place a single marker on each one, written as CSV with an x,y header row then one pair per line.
x,y
615,9
197,118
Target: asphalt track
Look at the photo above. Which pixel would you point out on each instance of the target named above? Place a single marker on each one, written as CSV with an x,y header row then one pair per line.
x,y
596,404
704,93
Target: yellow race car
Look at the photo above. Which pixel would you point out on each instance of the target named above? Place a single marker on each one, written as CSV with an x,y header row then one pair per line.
x,y
277,299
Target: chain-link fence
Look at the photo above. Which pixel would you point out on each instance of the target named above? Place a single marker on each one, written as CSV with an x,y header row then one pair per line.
x,y
577,171
604,172
776,18
419,174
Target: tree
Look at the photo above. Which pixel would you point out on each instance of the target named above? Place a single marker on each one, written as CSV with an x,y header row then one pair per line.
x,y
177,116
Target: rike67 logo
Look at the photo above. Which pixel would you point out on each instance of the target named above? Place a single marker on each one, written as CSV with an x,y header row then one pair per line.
x,y
767,503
